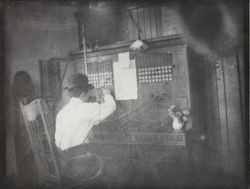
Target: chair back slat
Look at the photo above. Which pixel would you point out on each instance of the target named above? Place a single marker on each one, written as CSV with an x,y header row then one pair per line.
x,y
43,160
41,140
49,136
30,130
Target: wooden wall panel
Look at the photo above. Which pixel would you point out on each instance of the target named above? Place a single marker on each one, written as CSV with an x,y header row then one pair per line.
x,y
142,21
158,21
205,112
147,25
222,113
196,73
216,112
148,19
211,111
133,34
231,125
170,25
154,21
232,91
242,71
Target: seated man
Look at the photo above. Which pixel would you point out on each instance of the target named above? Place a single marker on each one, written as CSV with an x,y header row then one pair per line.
x,y
75,120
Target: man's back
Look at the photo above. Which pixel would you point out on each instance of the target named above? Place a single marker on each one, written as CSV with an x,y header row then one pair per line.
x,y
77,118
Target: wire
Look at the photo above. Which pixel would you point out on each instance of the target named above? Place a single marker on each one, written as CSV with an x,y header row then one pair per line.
x,y
84,49
151,103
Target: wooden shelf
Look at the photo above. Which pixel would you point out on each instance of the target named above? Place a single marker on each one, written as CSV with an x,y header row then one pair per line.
x,y
124,46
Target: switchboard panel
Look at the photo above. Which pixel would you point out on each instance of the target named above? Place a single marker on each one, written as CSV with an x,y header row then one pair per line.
x,y
154,68
100,74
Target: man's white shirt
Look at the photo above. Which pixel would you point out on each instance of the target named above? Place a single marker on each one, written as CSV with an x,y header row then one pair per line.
x,y
76,119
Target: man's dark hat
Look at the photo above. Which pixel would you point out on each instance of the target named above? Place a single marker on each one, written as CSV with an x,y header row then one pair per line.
x,y
79,80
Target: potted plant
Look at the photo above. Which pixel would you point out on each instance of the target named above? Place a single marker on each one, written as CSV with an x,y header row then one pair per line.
x,y
179,117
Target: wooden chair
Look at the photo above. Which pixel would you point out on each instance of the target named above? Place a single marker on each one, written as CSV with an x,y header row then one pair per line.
x,y
49,168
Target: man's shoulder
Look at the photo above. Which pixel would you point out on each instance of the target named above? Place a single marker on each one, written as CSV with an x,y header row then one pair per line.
x,y
62,111
58,114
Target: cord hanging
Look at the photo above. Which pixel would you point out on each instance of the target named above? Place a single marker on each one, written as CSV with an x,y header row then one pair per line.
x,y
84,49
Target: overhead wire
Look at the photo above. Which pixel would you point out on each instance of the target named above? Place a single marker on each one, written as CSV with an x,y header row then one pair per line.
x,y
84,49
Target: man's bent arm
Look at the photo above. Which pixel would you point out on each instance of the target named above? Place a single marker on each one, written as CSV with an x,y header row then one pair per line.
x,y
105,109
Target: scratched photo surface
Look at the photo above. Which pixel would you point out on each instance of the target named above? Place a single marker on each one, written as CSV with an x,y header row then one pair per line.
x,y
125,94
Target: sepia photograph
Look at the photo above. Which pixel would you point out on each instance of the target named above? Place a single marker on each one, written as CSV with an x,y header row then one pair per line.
x,y
115,94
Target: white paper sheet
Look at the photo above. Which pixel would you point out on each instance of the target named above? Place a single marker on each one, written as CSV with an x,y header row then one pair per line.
x,y
124,59
125,80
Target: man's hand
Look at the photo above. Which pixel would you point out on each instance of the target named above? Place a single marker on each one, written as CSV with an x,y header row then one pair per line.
x,y
106,92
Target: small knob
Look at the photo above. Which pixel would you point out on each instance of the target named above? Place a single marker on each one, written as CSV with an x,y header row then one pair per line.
x,y
202,138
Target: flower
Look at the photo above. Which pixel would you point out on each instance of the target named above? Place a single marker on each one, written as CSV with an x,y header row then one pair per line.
x,y
182,116
186,112
178,114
